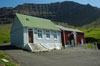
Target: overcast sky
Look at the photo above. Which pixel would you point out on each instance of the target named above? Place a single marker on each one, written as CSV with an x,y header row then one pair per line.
x,y
13,3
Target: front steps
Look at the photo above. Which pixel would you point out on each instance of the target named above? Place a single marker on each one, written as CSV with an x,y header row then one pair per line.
x,y
37,47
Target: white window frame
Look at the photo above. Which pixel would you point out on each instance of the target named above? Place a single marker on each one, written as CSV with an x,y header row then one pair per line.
x,y
39,34
55,33
47,33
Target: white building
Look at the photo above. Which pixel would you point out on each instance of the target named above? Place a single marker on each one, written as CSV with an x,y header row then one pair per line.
x,y
35,34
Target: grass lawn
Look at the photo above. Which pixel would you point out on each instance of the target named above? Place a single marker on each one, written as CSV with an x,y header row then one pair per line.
x,y
4,56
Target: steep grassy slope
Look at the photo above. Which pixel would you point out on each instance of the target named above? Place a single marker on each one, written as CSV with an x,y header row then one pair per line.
x,y
5,27
5,33
4,36
92,32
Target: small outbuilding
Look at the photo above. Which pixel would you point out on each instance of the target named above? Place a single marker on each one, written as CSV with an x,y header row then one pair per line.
x,y
71,37
35,34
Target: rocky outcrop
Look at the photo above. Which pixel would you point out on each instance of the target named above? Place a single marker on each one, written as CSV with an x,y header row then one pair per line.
x,y
6,15
67,12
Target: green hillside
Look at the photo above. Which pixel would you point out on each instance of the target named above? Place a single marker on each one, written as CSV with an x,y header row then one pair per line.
x,y
5,27
91,32
5,33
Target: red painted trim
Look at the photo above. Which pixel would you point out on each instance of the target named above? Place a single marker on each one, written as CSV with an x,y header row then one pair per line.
x,y
69,36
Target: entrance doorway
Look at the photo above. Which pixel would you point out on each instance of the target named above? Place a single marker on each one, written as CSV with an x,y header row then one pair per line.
x,y
30,34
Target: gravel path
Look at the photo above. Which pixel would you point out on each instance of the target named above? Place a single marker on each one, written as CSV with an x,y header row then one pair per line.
x,y
66,57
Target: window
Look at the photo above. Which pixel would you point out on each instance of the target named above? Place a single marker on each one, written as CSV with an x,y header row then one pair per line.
x,y
35,30
55,35
47,34
39,33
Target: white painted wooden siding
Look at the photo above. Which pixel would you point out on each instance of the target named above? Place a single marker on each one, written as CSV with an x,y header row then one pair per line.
x,y
49,43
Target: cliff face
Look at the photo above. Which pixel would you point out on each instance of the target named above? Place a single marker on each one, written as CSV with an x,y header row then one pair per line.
x,y
6,15
67,12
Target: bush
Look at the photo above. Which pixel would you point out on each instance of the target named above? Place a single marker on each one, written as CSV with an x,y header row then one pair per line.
x,y
89,46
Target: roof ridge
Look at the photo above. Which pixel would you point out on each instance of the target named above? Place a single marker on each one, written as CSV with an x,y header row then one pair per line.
x,y
31,16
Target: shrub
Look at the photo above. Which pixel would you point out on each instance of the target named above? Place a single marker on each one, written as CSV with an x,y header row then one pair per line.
x,y
89,46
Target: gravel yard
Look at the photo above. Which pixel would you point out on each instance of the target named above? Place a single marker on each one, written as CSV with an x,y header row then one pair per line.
x,y
76,56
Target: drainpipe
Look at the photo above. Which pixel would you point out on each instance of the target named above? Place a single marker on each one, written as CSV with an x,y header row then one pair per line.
x,y
75,38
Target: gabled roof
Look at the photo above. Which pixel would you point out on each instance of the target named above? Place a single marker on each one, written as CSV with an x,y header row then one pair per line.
x,y
35,22
68,29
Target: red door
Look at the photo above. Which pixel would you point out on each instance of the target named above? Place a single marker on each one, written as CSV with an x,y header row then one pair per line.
x,y
30,33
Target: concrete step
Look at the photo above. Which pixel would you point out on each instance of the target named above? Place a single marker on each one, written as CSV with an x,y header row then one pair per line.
x,y
38,47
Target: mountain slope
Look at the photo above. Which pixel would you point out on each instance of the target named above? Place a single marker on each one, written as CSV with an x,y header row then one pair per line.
x,y
95,23
67,12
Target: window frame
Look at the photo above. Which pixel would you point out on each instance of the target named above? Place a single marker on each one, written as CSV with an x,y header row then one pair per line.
x,y
39,34
47,32
55,33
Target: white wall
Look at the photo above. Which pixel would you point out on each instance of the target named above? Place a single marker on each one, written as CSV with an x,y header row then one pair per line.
x,y
17,34
25,36
48,43
17,38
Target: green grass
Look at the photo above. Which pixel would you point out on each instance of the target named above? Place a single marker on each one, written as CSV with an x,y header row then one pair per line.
x,y
4,56
4,36
95,46
89,46
5,27
91,32
5,33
